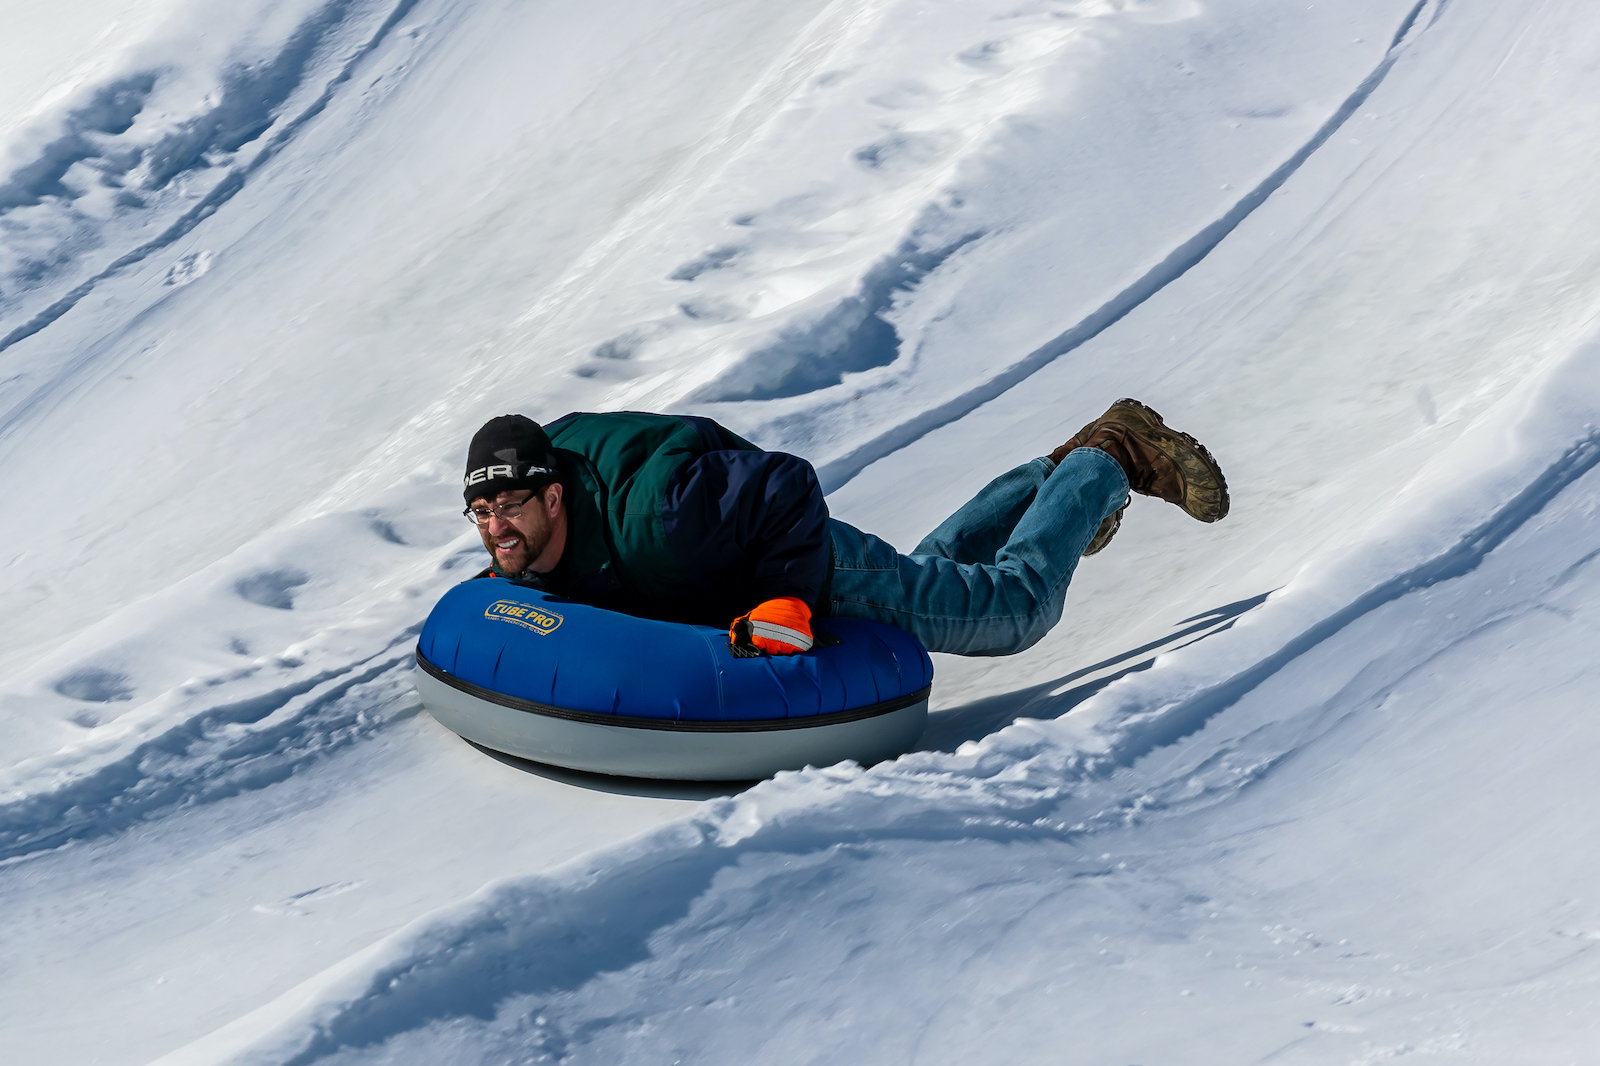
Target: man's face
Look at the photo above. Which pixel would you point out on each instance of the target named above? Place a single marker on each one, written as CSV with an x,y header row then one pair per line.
x,y
516,542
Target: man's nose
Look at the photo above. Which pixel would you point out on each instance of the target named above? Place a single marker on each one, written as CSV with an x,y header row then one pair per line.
x,y
498,523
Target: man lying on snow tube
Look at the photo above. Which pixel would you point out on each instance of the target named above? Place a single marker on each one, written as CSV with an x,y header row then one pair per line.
x,y
676,518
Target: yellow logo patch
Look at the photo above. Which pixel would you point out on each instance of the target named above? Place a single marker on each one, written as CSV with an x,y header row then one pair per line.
x,y
525,615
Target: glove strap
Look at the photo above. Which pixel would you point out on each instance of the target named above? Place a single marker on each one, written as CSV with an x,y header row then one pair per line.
x,y
741,645
774,631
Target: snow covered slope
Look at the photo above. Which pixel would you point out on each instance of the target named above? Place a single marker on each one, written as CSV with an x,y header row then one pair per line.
x,y
1323,792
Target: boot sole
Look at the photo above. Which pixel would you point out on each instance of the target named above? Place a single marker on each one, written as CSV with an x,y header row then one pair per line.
x,y
1205,490
1107,530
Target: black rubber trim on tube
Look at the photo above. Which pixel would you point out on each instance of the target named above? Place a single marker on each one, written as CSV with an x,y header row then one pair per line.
x,y
759,725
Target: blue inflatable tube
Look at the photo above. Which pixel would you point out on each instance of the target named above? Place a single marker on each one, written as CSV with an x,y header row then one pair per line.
x,y
544,678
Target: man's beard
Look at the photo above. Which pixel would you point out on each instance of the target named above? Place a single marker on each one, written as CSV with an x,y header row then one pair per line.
x,y
529,544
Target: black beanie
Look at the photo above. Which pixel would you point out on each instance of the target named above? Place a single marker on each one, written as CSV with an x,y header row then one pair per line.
x,y
509,452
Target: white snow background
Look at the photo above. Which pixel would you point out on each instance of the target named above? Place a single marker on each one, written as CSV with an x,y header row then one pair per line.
x,y
1313,785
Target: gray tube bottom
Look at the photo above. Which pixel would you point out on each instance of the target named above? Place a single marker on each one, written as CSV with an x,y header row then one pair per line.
x,y
626,751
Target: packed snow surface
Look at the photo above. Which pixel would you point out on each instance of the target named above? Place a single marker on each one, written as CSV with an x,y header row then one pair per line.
x,y
1313,785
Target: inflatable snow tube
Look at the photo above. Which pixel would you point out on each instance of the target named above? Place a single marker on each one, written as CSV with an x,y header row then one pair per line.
x,y
537,676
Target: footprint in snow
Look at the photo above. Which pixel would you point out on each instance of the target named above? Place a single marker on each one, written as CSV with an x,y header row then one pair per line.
x,y
188,268
94,685
623,347
900,151
716,259
298,905
385,530
100,687
610,359
983,55
798,210
711,310
272,588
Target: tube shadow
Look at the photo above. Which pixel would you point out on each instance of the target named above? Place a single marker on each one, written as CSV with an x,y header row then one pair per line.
x,y
949,729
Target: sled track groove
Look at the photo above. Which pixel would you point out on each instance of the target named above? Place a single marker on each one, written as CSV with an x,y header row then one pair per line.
x,y
218,752
841,471
551,933
1469,552
224,191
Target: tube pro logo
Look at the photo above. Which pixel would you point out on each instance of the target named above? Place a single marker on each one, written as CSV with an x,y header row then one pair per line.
x,y
525,615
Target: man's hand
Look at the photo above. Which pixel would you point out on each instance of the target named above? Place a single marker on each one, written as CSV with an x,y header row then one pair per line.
x,y
777,627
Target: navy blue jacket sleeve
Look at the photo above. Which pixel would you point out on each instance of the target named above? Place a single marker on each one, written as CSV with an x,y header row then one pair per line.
x,y
751,524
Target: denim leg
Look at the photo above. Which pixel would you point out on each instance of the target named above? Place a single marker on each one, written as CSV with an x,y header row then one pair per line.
x,y
976,532
982,608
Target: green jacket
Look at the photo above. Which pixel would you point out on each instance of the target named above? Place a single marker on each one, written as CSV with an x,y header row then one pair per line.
x,y
676,517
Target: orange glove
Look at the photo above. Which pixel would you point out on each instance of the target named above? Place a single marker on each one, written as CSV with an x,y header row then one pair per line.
x,y
777,627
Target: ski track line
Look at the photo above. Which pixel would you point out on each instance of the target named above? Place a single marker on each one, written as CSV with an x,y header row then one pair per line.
x,y
124,793
151,776
1188,716
228,187
839,472
205,757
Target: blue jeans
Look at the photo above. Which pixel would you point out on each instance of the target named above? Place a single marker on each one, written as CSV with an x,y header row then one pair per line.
x,y
992,579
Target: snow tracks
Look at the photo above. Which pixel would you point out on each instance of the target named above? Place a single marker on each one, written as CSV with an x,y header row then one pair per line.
x,y
137,162
536,964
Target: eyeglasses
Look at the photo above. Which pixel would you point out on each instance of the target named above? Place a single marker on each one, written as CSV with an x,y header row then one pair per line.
x,y
480,516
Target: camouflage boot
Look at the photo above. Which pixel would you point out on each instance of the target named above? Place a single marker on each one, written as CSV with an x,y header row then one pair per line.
x,y
1159,461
